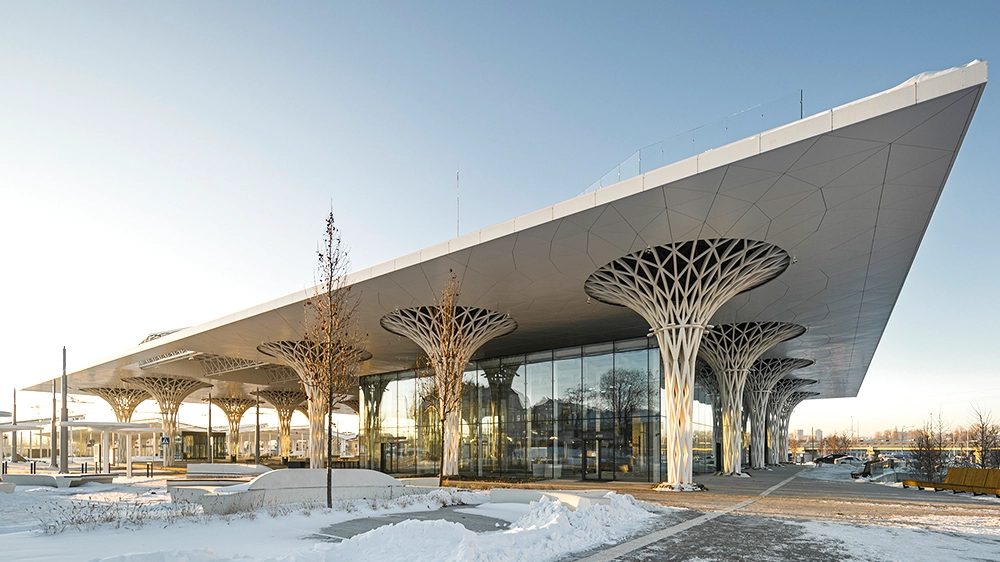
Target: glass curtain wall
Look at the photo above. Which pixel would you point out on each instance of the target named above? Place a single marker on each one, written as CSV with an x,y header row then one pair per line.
x,y
590,412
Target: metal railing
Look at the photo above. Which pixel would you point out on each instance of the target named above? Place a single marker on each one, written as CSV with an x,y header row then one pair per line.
x,y
740,125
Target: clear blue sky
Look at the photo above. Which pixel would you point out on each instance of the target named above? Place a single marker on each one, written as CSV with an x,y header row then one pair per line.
x,y
164,164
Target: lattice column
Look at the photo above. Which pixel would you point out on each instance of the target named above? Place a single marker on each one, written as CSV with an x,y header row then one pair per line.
x,y
793,400
677,288
707,379
731,349
234,408
168,392
474,327
284,402
777,449
122,400
304,356
763,376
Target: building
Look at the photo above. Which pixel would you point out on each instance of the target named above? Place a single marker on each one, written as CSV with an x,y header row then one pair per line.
x,y
820,217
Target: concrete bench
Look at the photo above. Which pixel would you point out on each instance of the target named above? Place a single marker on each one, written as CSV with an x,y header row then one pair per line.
x,y
58,480
222,470
304,486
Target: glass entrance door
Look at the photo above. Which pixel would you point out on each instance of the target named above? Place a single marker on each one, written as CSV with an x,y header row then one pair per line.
x,y
598,460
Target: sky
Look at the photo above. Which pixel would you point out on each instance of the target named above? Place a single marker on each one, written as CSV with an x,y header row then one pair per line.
x,y
166,164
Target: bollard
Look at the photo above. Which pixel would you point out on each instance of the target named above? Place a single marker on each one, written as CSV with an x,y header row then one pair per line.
x,y
149,470
32,469
3,467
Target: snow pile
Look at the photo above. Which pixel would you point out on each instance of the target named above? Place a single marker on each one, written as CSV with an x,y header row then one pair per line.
x,y
547,531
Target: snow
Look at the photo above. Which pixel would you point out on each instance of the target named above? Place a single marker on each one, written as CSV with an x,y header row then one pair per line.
x,y
143,526
959,539
151,529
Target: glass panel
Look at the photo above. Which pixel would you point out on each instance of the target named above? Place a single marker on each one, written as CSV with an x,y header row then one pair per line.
x,y
539,425
567,447
626,394
406,426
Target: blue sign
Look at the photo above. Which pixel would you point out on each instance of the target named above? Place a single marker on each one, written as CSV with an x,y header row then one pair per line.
x,y
164,440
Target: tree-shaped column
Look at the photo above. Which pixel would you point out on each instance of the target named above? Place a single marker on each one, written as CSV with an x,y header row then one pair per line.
x,y
763,376
284,402
234,407
779,394
707,379
793,400
168,392
677,288
449,350
306,357
123,400
731,349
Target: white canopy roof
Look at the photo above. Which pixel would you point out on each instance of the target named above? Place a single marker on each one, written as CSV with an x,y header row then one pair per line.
x,y
848,192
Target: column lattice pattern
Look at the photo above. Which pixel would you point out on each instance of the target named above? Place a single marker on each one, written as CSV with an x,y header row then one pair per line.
x,y
168,392
779,394
284,402
234,408
677,288
476,326
302,356
763,376
122,400
793,400
730,350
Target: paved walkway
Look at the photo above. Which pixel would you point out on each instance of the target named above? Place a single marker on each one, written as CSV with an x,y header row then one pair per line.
x,y
754,518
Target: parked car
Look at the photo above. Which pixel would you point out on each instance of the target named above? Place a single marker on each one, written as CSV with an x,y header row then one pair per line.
x,y
848,459
829,459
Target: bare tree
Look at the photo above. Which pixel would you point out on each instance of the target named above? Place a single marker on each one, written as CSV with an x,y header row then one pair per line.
x,y
447,361
333,337
838,443
984,439
929,451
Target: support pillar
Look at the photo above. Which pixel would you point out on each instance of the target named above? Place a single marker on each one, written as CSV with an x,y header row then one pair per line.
x,y
677,288
284,402
794,399
305,358
123,402
763,376
234,407
731,349
168,392
449,350
778,450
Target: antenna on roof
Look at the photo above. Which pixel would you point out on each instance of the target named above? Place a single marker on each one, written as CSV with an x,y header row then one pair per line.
x,y
457,208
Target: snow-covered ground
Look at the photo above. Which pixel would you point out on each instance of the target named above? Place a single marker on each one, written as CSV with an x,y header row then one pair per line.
x,y
134,521
137,523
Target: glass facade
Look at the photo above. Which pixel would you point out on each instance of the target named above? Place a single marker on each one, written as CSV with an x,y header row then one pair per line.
x,y
590,412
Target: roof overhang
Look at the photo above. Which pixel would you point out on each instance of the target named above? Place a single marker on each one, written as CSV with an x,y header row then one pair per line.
x,y
848,192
